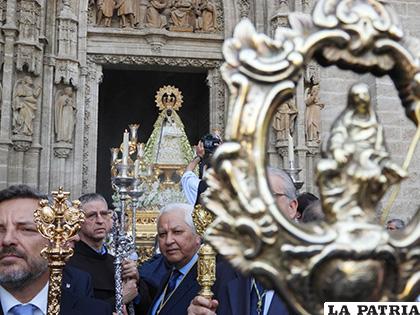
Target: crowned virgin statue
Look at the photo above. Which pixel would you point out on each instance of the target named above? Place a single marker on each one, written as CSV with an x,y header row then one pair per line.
x,y
168,143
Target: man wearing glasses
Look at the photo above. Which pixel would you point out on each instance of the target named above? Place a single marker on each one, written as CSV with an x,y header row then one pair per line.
x,y
237,294
91,255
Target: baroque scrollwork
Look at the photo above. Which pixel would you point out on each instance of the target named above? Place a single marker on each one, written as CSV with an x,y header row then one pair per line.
x,y
309,265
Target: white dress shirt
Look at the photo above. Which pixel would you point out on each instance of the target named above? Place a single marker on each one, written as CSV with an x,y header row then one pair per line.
x,y
40,300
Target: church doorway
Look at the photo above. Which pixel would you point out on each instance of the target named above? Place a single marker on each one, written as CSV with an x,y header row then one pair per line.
x,y
128,96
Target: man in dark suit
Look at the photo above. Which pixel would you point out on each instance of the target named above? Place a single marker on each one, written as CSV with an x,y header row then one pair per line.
x,y
179,243
24,274
237,294
91,255
153,271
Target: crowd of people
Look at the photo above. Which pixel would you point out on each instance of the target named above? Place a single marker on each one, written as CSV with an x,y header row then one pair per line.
x,y
164,285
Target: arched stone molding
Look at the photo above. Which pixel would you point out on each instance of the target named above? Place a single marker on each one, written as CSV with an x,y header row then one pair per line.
x,y
217,100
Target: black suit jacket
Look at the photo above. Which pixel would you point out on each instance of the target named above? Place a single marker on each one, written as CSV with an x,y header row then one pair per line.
x,y
101,269
181,298
233,292
77,282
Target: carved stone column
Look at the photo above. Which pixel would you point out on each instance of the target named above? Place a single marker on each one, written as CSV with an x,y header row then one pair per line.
x,y
87,132
299,136
67,65
10,32
217,99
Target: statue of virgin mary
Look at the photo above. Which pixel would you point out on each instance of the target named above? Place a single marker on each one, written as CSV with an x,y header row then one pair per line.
x,y
168,143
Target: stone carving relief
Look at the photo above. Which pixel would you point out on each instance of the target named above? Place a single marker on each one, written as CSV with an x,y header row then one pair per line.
x,y
93,78
105,11
154,60
206,16
64,121
66,64
25,99
217,110
182,17
125,12
140,11
280,16
66,71
157,14
65,115
173,15
311,81
29,20
313,114
244,8
284,120
67,34
28,49
3,11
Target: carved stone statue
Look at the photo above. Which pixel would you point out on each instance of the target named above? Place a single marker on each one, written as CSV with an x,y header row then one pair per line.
x,y
155,16
125,12
25,97
29,20
356,153
284,120
313,113
206,16
65,109
182,16
140,10
168,143
105,12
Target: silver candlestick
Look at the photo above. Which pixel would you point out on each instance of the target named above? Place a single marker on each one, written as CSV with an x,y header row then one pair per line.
x,y
121,184
294,175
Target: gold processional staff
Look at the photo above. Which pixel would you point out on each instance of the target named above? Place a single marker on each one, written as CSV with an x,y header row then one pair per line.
x,y
58,222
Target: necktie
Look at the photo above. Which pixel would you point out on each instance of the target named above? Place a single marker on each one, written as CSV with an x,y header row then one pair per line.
x,y
172,283
257,298
20,309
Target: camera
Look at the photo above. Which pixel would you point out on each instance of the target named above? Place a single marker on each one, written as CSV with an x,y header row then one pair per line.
x,y
210,143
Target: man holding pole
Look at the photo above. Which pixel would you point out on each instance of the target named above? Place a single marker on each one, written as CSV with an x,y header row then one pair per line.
x,y
24,274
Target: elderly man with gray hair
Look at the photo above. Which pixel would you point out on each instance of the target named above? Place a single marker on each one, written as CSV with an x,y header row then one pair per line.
x,y
178,243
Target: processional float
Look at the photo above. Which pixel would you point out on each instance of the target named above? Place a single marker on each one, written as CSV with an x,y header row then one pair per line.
x,y
145,177
350,257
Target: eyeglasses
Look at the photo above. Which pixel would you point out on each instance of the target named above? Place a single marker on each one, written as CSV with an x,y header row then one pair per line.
x,y
106,214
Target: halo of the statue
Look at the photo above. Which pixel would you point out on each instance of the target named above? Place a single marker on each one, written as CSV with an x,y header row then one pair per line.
x,y
302,263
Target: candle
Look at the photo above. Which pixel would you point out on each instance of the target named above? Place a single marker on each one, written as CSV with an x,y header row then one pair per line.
x,y
140,150
136,168
125,148
291,153
114,153
133,131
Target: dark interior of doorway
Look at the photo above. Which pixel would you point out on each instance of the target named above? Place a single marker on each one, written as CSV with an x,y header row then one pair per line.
x,y
128,96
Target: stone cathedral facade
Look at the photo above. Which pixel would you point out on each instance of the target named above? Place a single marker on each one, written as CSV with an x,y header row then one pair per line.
x,y
54,55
